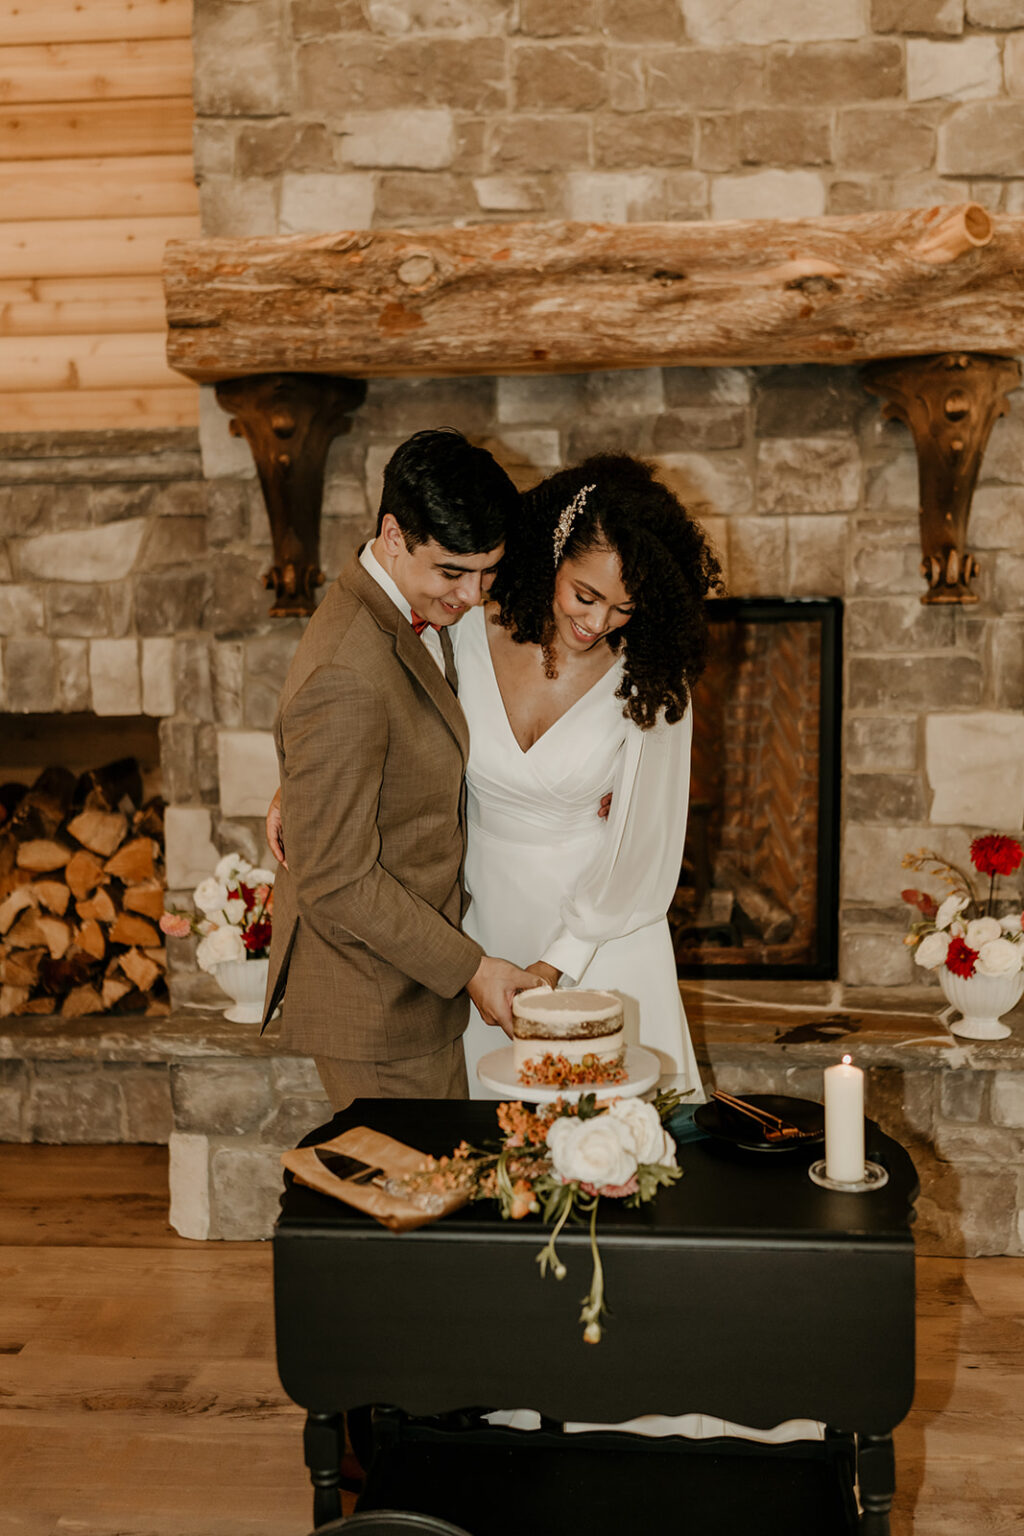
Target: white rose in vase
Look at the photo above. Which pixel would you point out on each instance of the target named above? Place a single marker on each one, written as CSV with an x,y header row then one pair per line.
x,y
596,1151
230,867
982,931
998,958
211,895
650,1142
255,877
222,944
949,909
931,951
233,911
1013,924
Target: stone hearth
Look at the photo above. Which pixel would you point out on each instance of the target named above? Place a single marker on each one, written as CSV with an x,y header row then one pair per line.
x,y
228,1104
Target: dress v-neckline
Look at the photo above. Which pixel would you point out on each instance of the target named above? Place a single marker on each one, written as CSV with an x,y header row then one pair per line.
x,y
525,751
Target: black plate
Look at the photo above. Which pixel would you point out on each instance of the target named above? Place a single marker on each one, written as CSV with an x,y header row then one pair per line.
x,y
725,1124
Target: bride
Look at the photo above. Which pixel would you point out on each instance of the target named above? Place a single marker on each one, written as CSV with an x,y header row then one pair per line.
x,y
575,680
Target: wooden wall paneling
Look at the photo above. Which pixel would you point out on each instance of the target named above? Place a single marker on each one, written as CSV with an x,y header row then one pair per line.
x,y
110,188
96,174
94,410
65,21
134,361
69,306
105,71
87,248
161,125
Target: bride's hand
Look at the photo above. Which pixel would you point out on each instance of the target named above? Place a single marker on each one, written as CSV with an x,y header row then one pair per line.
x,y
275,829
545,972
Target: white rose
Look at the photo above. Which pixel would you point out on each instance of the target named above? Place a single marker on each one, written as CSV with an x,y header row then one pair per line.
x,y
230,867
234,910
931,951
949,909
210,895
999,958
1012,923
982,931
255,877
220,945
649,1141
596,1151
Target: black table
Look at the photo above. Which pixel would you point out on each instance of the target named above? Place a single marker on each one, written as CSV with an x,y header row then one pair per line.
x,y
744,1292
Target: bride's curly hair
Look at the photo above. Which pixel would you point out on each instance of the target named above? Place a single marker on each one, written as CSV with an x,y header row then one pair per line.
x,y
668,569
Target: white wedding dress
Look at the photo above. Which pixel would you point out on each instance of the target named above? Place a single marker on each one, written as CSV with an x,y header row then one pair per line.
x,y
550,880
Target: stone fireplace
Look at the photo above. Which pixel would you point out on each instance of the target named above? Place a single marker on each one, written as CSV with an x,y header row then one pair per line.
x,y
131,562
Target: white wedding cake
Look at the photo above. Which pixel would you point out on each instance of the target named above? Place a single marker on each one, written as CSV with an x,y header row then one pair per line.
x,y
572,1022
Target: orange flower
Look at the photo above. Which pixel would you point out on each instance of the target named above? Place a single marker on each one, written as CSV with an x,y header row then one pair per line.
x,y
552,1071
523,1201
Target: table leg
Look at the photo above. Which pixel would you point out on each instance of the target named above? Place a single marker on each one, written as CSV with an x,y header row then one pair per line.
x,y
876,1477
322,1442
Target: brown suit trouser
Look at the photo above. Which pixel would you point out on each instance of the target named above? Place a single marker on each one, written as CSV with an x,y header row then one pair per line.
x,y
440,1074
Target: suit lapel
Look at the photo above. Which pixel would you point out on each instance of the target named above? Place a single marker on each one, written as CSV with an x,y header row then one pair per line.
x,y
410,650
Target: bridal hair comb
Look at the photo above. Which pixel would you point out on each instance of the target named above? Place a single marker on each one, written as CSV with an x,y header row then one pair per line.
x,y
563,527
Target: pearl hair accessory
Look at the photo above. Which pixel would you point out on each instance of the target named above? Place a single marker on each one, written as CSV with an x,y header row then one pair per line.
x,y
563,527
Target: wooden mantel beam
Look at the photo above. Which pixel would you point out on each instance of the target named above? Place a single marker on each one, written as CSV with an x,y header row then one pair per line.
x,y
559,297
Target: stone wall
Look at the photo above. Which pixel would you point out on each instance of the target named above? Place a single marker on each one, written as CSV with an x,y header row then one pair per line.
x,y
419,112
327,114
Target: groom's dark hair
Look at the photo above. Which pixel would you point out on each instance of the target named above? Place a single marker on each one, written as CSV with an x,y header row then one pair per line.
x,y
438,486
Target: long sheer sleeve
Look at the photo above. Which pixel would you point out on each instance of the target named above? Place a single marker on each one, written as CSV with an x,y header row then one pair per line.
x,y
633,877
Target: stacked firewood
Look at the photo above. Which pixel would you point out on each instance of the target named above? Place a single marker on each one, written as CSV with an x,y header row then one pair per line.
x,y
81,893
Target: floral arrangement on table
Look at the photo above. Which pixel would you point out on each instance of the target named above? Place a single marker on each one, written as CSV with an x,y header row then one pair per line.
x,y
236,904
967,934
561,1160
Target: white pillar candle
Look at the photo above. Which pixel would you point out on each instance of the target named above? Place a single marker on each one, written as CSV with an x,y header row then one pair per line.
x,y
844,1123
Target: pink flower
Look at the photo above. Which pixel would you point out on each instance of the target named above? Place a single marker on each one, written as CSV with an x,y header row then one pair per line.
x,y
613,1191
176,926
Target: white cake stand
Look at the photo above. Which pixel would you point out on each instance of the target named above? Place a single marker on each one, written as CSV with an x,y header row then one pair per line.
x,y
497,1072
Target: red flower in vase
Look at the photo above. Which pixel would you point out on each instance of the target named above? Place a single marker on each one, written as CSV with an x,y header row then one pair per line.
x,y
258,937
996,855
960,957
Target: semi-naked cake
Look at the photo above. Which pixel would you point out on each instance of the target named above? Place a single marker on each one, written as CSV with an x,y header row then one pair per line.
x,y
573,1023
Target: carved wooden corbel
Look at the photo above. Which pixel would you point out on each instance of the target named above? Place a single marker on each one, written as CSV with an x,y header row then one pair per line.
x,y
289,421
950,403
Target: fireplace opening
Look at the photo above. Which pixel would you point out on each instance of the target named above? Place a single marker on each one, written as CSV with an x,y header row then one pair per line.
x,y
758,890
81,866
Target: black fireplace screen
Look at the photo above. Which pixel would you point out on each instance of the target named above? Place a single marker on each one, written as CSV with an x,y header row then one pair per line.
x,y
758,892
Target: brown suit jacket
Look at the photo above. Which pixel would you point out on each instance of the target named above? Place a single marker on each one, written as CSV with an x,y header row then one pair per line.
x,y
372,749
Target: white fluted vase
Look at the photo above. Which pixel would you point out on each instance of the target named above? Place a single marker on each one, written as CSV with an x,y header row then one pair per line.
x,y
981,1001
246,982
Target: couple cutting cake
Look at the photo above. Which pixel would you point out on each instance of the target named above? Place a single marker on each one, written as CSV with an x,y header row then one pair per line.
x,y
426,834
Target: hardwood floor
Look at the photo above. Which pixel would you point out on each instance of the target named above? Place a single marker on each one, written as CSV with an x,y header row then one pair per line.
x,y
139,1397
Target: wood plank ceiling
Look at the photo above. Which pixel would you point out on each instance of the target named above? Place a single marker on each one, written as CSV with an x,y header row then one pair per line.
x,y
95,176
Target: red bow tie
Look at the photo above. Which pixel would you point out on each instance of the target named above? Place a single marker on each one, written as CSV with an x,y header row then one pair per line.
x,y
419,625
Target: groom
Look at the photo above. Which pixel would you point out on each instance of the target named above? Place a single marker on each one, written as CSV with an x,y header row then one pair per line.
x,y
372,745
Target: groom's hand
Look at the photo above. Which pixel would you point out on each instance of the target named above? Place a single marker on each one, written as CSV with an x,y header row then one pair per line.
x,y
493,986
275,829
